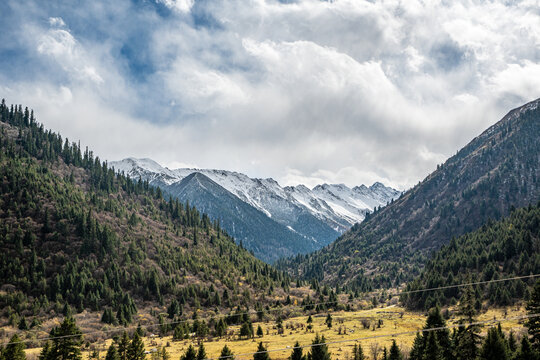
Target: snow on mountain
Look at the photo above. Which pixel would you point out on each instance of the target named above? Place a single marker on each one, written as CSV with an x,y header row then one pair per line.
x,y
336,205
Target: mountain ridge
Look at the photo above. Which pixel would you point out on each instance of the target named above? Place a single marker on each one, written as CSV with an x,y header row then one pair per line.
x,y
318,215
498,169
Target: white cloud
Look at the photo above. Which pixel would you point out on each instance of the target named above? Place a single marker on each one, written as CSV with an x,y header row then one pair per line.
x,y
182,6
62,46
56,22
309,91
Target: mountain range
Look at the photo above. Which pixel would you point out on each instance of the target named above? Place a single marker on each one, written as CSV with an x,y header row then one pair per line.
x,y
495,172
270,220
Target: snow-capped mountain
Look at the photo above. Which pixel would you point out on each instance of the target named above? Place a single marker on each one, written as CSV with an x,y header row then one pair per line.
x,y
320,214
339,205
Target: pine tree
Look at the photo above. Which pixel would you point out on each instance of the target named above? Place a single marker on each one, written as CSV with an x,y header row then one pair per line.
x,y
136,348
67,341
178,333
309,323
201,354
190,354
262,353
512,342
395,353
297,352
123,346
318,351
468,336
417,351
494,347
174,309
358,352
23,325
15,349
533,307
260,331
45,353
526,352
226,353
164,354
432,350
112,353
436,320
328,321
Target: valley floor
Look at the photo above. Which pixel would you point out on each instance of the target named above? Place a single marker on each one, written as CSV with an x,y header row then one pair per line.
x,y
394,320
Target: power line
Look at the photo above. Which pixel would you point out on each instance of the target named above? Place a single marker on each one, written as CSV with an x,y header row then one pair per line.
x,y
468,284
382,336
257,312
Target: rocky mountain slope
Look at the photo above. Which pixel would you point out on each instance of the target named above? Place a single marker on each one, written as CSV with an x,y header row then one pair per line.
x,y
303,220
496,171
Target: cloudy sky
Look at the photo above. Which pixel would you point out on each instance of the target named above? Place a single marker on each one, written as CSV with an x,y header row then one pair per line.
x,y
306,91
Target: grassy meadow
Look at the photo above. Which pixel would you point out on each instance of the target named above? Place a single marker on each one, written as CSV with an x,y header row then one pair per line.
x,y
346,326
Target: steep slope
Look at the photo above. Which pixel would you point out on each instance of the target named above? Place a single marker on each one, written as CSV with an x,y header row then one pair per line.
x,y
497,170
267,239
73,232
503,249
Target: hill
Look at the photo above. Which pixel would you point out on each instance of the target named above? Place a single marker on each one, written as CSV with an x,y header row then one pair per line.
x,y
496,171
503,249
75,234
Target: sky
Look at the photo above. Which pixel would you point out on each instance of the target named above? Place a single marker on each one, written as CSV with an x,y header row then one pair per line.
x,y
305,91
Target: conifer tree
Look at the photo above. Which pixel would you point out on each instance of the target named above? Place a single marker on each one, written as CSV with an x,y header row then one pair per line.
x,y
417,351
358,352
23,325
15,349
190,354
436,320
260,331
201,354
319,351
297,352
468,336
45,352
494,347
432,350
512,342
328,321
112,353
174,309
526,352
164,354
262,353
533,324
178,333
395,353
136,348
67,341
123,346
309,322
226,353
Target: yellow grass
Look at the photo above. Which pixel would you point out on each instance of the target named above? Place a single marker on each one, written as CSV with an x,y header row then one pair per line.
x,y
393,322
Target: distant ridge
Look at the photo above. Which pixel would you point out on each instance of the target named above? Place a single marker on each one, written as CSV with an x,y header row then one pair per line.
x,y
303,219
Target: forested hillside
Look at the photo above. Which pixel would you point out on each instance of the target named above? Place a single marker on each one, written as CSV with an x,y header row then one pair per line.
x,y
75,235
502,249
496,171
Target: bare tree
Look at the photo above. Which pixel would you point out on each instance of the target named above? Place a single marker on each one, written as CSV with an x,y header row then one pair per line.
x,y
374,349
